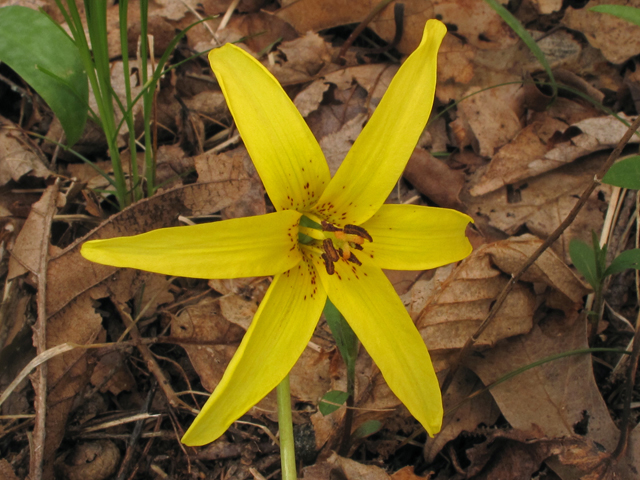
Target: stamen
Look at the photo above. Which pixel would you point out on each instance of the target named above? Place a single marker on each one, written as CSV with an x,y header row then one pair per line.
x,y
359,231
356,246
328,264
329,227
330,250
346,252
311,232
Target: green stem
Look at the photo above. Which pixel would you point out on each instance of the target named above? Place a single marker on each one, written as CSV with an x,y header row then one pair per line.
x,y
128,114
345,443
285,423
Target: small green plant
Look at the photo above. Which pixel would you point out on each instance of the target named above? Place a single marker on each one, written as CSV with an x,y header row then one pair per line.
x,y
58,67
591,263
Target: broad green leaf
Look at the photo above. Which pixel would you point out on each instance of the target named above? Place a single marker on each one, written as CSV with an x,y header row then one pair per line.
x,y
47,59
627,259
584,259
630,14
625,173
367,428
346,340
335,397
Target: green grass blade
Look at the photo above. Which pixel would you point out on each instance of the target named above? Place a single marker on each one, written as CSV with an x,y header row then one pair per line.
x,y
522,32
630,14
64,87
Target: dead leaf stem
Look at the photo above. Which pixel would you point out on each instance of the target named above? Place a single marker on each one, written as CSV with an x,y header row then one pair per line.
x,y
40,333
464,352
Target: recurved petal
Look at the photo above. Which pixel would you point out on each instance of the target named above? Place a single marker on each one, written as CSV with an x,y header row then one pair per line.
x,y
241,247
283,149
412,237
365,297
379,155
279,333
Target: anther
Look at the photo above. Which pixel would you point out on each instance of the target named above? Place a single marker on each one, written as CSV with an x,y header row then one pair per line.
x,y
328,264
329,227
330,250
356,246
358,231
354,259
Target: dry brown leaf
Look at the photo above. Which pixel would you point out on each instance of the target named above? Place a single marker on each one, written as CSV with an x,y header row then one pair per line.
x,y
215,339
69,274
558,394
308,100
234,165
493,116
523,157
67,374
510,254
631,460
27,251
517,455
353,470
406,473
546,7
466,418
335,146
305,57
618,39
434,179
18,156
112,374
543,202
451,306
475,21
75,283
6,472
257,31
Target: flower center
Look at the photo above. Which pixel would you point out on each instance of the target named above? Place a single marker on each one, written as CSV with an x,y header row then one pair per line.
x,y
332,242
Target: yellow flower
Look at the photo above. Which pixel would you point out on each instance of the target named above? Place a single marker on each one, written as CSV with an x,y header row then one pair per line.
x,y
341,256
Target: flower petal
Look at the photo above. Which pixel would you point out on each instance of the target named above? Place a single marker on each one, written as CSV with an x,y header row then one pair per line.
x,y
283,149
278,335
240,247
411,237
378,157
366,298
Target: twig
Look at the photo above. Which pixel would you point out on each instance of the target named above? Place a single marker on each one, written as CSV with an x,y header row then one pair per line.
x,y
40,335
227,15
464,352
372,14
135,435
150,360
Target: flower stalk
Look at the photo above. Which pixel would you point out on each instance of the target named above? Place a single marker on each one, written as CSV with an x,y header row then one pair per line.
x,y
285,424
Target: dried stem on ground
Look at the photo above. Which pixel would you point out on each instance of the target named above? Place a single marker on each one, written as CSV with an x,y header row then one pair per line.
x,y
40,342
150,360
466,349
